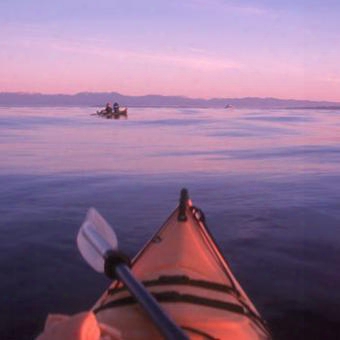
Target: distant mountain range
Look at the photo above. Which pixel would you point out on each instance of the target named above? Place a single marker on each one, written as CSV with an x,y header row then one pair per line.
x,y
99,99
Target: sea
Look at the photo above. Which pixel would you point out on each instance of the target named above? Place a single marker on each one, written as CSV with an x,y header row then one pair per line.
x,y
268,182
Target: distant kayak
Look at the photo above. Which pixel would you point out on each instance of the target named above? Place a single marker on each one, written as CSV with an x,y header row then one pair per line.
x,y
122,112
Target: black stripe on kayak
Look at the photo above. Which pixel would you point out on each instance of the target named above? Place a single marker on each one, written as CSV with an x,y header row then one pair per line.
x,y
199,332
184,280
173,297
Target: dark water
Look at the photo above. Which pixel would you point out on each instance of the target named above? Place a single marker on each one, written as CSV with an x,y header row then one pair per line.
x,y
268,182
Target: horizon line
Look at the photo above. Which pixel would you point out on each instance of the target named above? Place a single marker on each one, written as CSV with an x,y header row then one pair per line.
x,y
161,95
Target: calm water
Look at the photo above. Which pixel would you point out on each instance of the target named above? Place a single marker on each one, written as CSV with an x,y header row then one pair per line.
x,y
268,181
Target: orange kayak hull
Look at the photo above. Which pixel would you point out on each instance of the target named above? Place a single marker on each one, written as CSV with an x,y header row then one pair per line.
x,y
185,271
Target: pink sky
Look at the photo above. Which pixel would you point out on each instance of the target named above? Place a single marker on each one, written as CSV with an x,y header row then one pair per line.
x,y
195,48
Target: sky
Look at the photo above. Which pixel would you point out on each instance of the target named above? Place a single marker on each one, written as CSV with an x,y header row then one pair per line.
x,y
196,48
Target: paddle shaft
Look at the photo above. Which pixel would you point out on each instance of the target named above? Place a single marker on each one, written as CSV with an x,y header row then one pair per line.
x,y
164,324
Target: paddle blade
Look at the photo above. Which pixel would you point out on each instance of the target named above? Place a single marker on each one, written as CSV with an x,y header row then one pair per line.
x,y
95,238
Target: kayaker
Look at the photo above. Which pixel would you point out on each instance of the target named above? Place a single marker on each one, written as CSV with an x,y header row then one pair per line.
x,y
116,107
108,108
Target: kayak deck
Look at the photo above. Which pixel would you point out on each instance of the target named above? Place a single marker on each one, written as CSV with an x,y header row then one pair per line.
x,y
184,270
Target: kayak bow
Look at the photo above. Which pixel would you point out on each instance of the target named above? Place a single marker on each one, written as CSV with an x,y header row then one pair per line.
x,y
184,270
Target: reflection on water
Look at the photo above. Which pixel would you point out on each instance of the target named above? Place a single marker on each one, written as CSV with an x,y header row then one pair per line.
x,y
268,182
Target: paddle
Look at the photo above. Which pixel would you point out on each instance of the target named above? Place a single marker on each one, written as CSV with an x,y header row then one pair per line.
x,y
98,244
